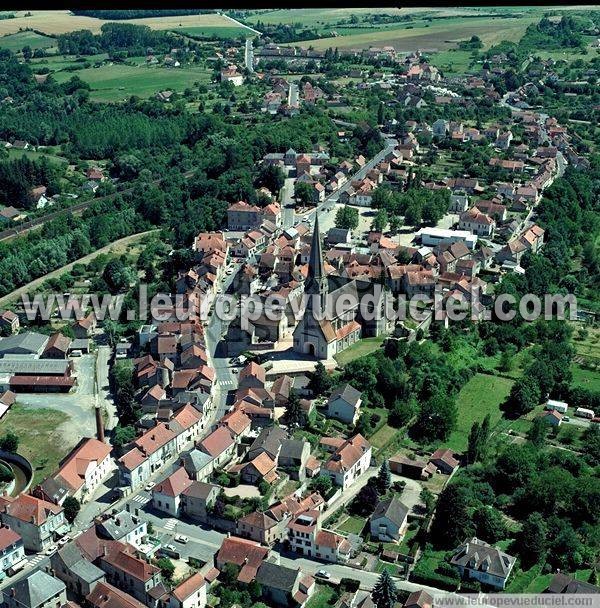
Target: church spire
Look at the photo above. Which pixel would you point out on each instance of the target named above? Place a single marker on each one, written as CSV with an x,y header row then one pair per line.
x,y
316,281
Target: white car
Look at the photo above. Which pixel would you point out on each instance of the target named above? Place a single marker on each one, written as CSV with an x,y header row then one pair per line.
x,y
235,370
323,574
149,486
181,538
64,540
51,550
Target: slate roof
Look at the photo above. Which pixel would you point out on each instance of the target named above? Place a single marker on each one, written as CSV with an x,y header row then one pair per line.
x,y
476,554
348,393
37,589
395,510
277,576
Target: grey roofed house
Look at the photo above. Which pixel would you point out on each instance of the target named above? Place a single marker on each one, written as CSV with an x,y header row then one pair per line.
x,y
269,441
34,367
293,449
395,510
28,343
35,590
118,526
348,393
53,490
276,576
195,461
338,235
87,571
477,560
565,583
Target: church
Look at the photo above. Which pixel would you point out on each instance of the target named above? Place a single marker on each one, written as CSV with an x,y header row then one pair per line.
x,y
333,319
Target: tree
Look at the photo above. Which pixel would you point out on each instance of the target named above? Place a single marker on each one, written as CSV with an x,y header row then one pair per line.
x,y
384,594
384,477
367,498
380,221
271,177
428,499
591,444
303,193
489,524
380,113
319,381
167,567
538,432
531,541
436,418
452,522
9,442
122,435
321,484
524,396
347,218
71,508
293,411
395,223
478,438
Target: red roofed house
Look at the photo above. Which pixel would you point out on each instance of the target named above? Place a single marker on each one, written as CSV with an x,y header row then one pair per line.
x,y
9,320
246,554
348,462
444,460
12,551
220,445
80,473
307,538
477,222
242,216
190,593
166,495
104,595
38,521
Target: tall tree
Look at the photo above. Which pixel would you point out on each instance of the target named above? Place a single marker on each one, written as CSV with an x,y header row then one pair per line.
x,y
293,411
319,381
384,594
531,541
71,508
452,522
384,477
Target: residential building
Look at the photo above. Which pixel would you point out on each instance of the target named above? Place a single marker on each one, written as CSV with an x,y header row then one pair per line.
x,y
122,526
166,494
477,222
389,521
348,462
190,593
12,551
198,498
78,573
283,586
105,595
9,321
39,522
259,527
246,554
38,590
476,560
444,460
344,404
243,216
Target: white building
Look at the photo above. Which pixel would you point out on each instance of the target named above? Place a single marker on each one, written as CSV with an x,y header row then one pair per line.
x,y
431,237
249,56
350,460
12,552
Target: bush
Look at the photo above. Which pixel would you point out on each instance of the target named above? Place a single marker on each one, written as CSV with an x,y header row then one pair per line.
x,y
6,474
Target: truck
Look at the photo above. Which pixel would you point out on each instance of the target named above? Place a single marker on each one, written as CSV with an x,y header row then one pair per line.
x,y
583,412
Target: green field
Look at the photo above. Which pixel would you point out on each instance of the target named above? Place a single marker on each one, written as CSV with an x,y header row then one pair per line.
x,y
35,155
219,32
452,61
117,82
482,395
586,378
352,525
359,349
40,440
323,597
15,42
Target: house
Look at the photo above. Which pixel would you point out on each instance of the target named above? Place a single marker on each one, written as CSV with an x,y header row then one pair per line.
x,y
389,521
105,595
220,445
86,467
199,465
238,424
243,216
230,74
458,203
57,347
293,458
444,460
37,521
132,573
552,417
268,441
12,551
344,404
78,573
348,462
190,593
259,527
166,495
307,538
38,590
565,583
283,586
259,469
28,343
476,560
9,321
121,526
440,128
198,498
477,222
246,554
84,328
418,599
413,469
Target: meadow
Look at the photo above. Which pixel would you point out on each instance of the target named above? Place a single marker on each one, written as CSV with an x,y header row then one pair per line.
x,y
62,21
116,82
15,42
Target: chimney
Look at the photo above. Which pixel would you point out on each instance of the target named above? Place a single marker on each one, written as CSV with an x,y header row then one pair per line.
x,y
99,424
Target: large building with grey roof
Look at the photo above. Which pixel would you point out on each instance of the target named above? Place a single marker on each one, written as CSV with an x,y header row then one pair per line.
x,y
38,590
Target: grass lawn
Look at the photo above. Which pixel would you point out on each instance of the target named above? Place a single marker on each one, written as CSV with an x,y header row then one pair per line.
x,y
382,436
232,31
482,395
585,378
15,42
359,349
530,581
323,597
452,61
36,155
117,82
352,525
39,439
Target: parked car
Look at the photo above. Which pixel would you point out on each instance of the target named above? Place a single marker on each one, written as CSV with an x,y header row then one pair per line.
x,y
181,538
148,487
323,574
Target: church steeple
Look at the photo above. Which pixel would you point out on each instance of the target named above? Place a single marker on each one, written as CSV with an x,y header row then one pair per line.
x,y
316,281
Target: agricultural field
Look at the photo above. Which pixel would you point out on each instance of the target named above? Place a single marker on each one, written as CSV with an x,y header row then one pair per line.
x,y
117,82
15,42
62,21
482,395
